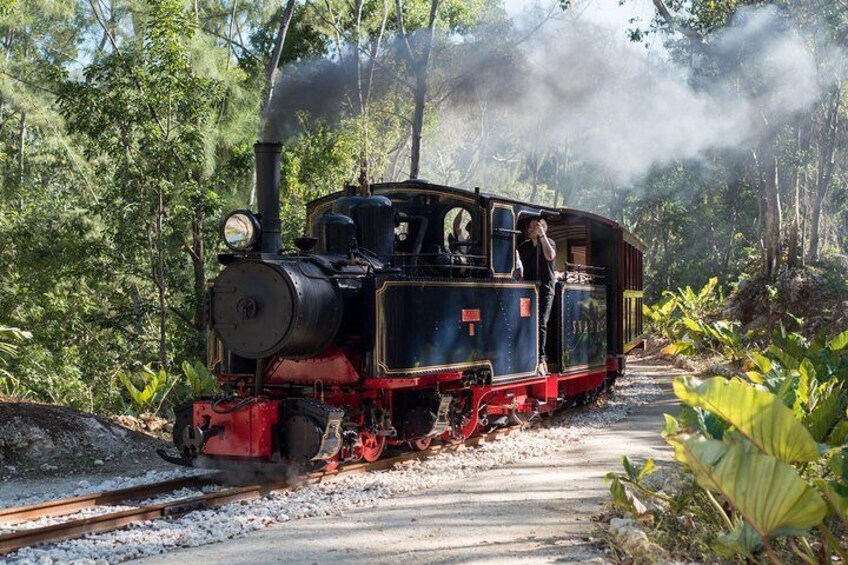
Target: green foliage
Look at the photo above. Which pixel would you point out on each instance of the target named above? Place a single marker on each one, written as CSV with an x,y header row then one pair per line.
x,y
151,390
768,494
770,444
622,485
9,338
316,164
810,378
201,382
669,316
148,389
684,316
756,466
758,415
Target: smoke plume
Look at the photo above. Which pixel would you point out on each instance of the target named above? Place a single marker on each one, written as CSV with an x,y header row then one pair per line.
x,y
619,108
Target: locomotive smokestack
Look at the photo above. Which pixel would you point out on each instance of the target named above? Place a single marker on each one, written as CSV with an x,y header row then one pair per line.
x,y
268,193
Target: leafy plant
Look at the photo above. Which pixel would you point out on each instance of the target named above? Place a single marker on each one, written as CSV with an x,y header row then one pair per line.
x,y
200,381
668,316
622,485
757,465
809,378
682,317
9,350
155,386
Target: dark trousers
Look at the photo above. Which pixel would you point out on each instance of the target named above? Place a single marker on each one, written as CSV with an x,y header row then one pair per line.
x,y
546,303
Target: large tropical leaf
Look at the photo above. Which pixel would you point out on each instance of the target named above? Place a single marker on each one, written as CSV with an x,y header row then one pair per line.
x,y
784,357
839,435
768,493
838,342
827,412
708,288
693,325
699,419
623,497
757,414
761,361
678,348
836,495
806,382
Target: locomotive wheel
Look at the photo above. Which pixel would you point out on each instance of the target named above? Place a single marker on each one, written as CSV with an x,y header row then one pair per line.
x,y
371,446
420,444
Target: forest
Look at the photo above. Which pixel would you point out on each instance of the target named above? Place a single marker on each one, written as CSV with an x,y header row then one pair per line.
x,y
713,130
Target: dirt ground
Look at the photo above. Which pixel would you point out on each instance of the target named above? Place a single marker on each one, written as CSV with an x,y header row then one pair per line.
x,y
43,444
539,511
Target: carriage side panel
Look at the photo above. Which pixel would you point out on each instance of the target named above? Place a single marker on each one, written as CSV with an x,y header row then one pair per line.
x,y
428,326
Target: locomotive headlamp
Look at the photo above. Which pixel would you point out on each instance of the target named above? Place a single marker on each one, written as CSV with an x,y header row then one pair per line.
x,y
240,230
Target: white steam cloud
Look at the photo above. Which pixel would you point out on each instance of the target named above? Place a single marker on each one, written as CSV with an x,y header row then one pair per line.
x,y
618,108
625,110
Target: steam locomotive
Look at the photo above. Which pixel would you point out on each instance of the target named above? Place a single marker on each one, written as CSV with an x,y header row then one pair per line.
x,y
397,321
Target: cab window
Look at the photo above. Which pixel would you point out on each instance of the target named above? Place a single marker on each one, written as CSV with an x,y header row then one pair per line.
x,y
457,230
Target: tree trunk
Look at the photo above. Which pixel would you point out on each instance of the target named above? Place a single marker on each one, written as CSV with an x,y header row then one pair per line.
x,y
827,160
273,63
772,243
534,178
556,182
420,92
363,88
798,182
22,148
363,188
198,262
734,189
159,276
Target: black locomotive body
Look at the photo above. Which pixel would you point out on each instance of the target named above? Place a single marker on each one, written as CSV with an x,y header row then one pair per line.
x,y
398,321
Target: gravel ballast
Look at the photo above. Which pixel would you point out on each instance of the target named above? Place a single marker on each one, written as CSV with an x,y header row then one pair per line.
x,y
86,486
346,493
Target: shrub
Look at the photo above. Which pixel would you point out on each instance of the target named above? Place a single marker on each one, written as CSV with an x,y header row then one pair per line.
x,y
9,337
147,389
767,449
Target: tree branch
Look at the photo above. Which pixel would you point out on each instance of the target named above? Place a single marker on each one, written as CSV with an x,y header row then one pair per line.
x,y
402,30
693,35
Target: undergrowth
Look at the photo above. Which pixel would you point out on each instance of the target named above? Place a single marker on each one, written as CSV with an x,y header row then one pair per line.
x,y
761,458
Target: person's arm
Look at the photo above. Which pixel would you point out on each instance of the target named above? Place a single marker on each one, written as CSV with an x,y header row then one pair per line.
x,y
518,273
548,248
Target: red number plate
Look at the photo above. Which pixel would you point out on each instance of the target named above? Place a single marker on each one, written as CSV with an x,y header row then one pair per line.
x,y
470,315
525,307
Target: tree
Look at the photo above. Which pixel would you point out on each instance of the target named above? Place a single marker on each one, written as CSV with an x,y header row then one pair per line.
x,y
144,108
417,64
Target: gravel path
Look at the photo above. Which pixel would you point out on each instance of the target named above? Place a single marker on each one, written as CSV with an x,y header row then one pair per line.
x,y
454,507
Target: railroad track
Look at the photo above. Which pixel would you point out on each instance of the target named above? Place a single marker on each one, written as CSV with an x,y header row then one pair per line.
x,y
79,527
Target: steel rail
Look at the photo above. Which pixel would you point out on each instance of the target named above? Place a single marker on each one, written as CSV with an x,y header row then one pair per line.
x,y
114,520
64,506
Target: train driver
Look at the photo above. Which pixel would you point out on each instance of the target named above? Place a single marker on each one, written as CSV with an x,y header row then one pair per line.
x,y
536,254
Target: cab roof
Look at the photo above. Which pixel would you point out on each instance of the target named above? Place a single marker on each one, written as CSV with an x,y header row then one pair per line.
x,y
462,193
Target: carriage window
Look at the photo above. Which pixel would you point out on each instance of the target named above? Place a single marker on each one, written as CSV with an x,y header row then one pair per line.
x,y
457,229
